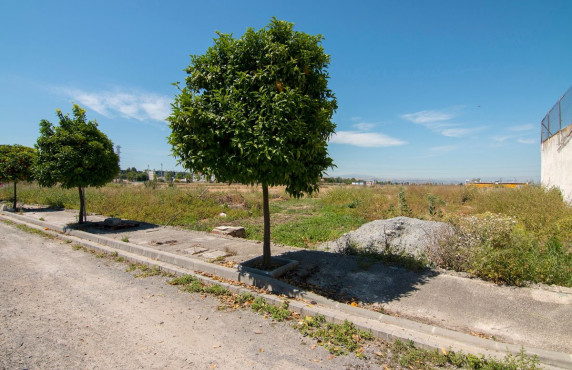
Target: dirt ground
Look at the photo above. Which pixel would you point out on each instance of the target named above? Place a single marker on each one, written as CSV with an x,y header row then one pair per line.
x,y
62,308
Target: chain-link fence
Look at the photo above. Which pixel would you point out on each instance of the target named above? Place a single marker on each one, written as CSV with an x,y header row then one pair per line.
x,y
558,117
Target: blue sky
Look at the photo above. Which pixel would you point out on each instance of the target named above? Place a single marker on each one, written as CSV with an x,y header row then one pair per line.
x,y
426,89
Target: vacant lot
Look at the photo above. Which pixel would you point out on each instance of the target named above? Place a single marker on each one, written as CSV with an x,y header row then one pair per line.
x,y
509,236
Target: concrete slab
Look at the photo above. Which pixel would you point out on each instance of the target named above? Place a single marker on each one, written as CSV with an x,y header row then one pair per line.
x,y
213,254
234,231
195,250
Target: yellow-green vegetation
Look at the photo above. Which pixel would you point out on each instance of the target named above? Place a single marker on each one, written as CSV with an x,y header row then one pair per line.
x,y
407,355
32,230
191,284
142,270
346,338
339,339
511,236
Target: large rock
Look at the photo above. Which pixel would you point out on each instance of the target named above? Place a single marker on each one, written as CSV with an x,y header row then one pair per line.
x,y
400,235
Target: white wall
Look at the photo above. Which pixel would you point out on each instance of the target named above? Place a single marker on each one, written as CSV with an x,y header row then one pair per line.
x,y
556,162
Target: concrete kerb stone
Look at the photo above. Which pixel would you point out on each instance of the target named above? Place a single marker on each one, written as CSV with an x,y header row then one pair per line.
x,y
382,326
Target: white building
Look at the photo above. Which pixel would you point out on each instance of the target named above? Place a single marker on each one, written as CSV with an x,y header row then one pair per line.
x,y
556,147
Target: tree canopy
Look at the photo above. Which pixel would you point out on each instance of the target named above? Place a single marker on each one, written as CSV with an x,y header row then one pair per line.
x,y
17,164
75,154
257,110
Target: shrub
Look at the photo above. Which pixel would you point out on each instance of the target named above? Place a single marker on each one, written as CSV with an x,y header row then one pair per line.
x,y
499,249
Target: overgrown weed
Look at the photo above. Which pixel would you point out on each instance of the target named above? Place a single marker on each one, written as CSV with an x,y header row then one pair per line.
x,y
540,240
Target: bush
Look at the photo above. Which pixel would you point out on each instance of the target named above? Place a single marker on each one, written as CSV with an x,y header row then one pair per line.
x,y
499,249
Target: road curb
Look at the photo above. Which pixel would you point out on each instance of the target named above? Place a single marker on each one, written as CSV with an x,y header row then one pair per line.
x,y
381,325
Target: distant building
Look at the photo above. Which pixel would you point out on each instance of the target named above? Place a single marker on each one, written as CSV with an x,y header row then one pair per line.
x,y
364,182
496,184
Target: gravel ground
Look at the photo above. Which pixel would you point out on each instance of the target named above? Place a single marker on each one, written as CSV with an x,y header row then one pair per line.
x,y
62,308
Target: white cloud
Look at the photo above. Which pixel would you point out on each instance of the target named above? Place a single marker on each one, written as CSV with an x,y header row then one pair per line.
x,y
518,133
365,139
438,121
141,106
521,128
460,132
503,138
426,116
528,141
364,126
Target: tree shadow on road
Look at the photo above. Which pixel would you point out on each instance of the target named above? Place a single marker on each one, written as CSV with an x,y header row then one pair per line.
x,y
100,227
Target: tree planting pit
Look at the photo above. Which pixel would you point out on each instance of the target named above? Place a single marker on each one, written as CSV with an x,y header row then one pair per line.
x,y
278,266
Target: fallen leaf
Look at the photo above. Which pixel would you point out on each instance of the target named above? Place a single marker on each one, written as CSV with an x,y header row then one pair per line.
x,y
444,351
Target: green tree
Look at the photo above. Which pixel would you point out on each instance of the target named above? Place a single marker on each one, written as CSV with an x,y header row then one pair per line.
x,y
16,164
257,110
75,154
169,176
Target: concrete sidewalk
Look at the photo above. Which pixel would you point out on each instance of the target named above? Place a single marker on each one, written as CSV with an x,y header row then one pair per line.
x,y
434,308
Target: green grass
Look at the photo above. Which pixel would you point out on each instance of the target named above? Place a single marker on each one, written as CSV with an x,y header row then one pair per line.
x,y
32,230
407,355
191,284
142,270
338,339
278,313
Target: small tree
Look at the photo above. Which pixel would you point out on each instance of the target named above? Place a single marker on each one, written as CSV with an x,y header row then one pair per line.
x,y
168,176
257,110
16,164
75,154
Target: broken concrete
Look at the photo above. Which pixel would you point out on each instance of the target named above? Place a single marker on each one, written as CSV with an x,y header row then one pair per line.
x,y
234,231
214,254
195,250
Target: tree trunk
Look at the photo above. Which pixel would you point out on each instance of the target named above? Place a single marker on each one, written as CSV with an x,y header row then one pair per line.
x,y
266,245
81,205
15,183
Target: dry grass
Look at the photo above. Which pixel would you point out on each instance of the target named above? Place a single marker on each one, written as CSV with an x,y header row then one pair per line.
x,y
536,247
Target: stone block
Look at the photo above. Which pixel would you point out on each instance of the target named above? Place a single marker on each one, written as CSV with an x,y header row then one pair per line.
x,y
235,231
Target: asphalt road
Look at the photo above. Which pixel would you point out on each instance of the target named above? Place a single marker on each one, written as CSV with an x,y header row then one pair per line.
x,y
61,308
